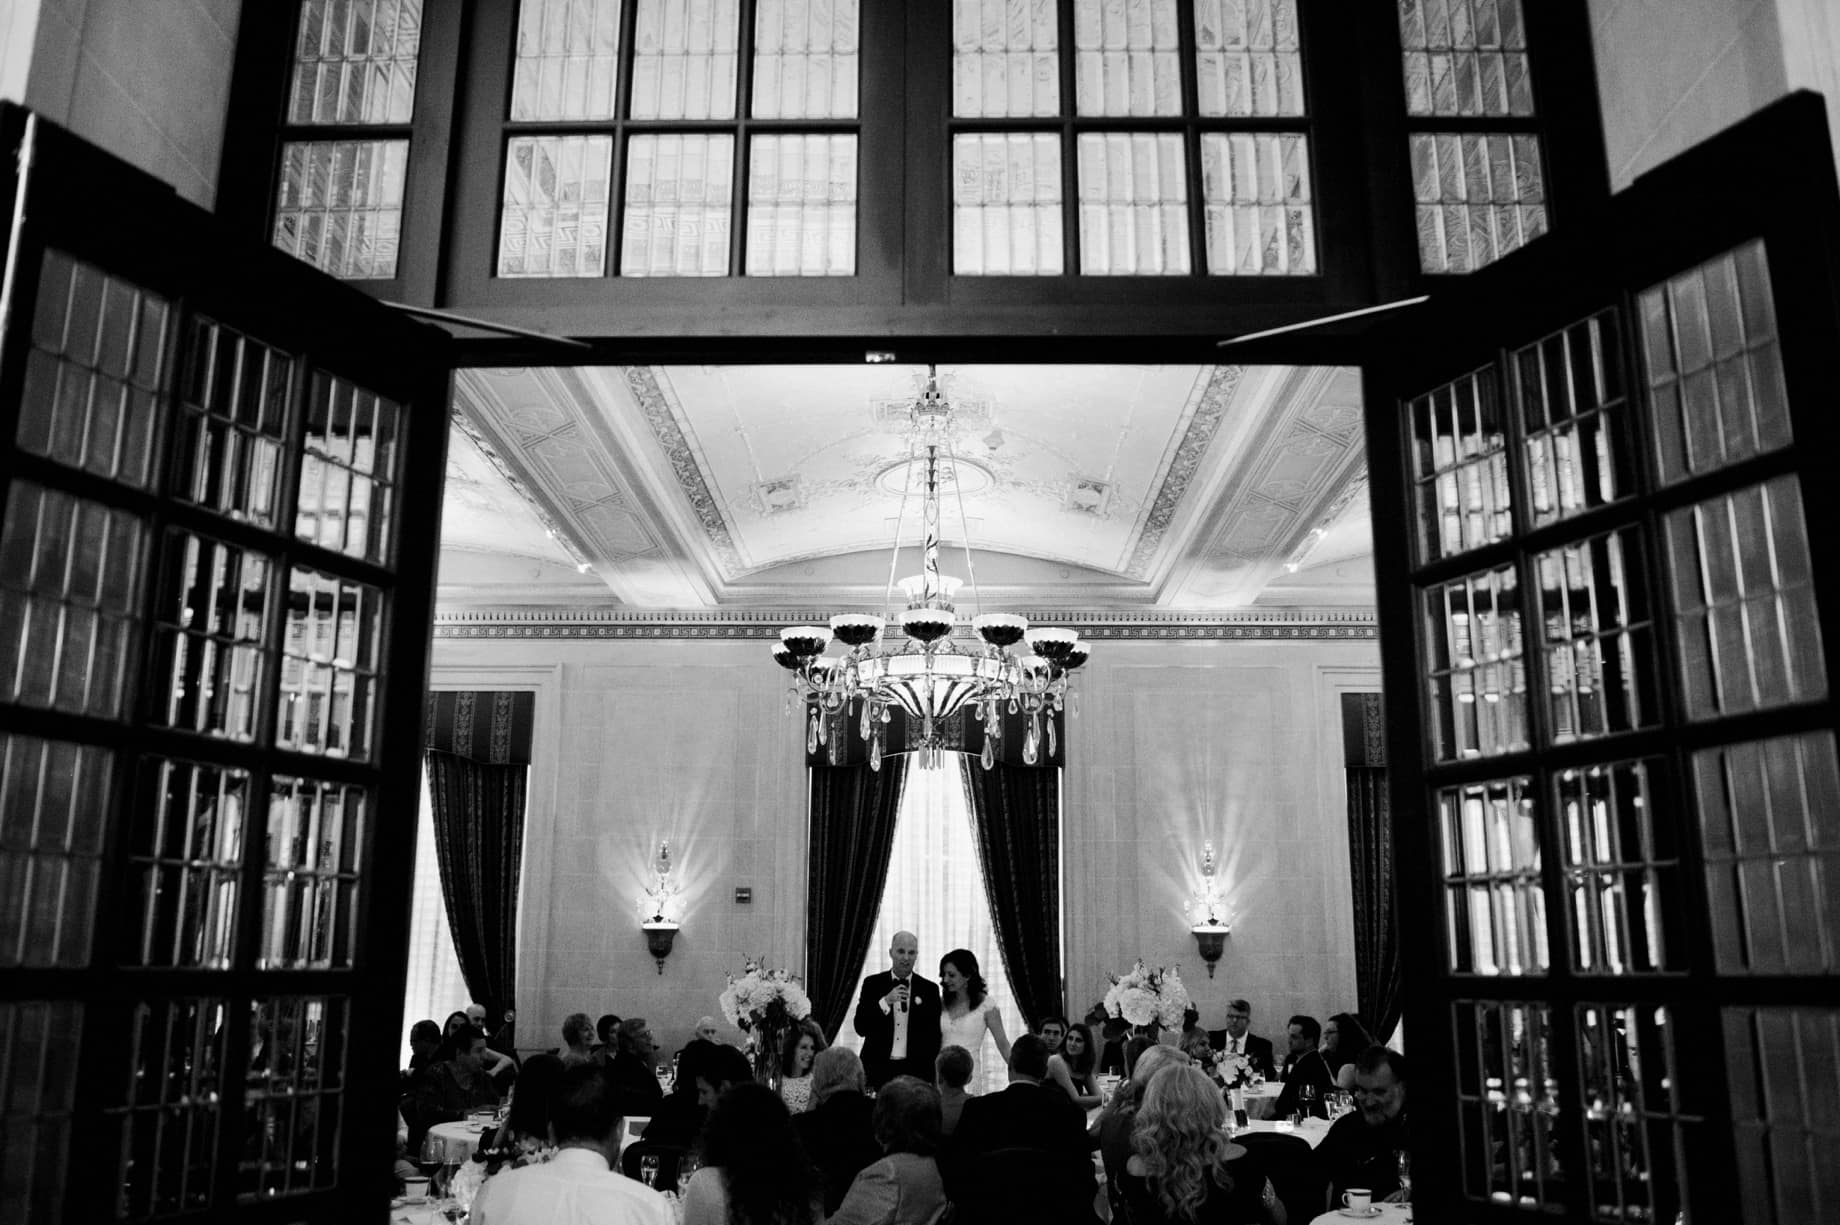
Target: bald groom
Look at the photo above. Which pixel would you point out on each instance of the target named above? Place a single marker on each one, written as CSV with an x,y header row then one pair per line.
x,y
897,1016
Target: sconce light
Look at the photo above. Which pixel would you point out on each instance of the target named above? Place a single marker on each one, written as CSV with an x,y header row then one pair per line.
x,y
661,908
1209,917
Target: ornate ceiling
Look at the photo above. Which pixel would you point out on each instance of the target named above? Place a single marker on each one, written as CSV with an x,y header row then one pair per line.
x,y
703,488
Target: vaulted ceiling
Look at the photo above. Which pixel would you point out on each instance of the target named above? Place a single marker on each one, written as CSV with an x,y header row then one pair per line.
x,y
700,488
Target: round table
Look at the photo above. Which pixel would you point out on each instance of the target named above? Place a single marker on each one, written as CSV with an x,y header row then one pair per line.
x,y
1389,1214
1263,1101
458,1140
1310,1131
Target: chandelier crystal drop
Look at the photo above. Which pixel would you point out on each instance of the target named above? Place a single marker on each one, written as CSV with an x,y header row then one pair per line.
x,y
929,673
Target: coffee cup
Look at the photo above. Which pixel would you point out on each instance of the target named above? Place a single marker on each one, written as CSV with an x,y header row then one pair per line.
x,y
415,1188
1358,1199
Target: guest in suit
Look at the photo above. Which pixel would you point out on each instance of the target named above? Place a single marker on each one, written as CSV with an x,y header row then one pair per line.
x,y
1343,1040
756,1171
897,1016
1052,1033
1238,1039
632,1069
904,1187
1027,1118
1305,1067
951,1073
839,1129
1365,1147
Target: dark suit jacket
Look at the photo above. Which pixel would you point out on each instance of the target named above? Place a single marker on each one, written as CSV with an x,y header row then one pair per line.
x,y
1257,1049
1037,1118
1310,1069
839,1137
877,1028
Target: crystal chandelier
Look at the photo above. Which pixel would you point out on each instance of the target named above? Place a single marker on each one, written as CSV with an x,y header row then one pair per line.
x,y
930,675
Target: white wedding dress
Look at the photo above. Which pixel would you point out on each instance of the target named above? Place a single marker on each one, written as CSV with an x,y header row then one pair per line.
x,y
969,1032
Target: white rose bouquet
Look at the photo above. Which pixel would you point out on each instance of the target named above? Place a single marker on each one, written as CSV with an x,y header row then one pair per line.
x,y
763,999
1145,997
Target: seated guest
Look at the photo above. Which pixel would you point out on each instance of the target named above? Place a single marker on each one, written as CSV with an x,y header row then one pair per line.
x,y
1027,1129
455,1083
631,1072
1363,1148
839,1129
1343,1040
1184,1168
424,1040
804,1042
707,1031
1053,1030
578,1038
1120,1114
903,1188
501,1060
1191,1027
1237,1038
1110,1033
951,1073
1072,1069
606,1040
678,1119
755,1171
1134,1050
533,1098
579,1185
1194,1043
1306,1068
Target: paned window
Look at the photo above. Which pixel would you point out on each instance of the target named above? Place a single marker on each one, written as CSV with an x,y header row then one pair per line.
x,y
435,987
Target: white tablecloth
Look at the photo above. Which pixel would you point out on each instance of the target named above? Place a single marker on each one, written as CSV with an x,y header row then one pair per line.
x,y
460,1138
1311,1131
1261,1102
1389,1214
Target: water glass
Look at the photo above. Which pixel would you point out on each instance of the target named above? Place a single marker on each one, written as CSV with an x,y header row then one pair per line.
x,y
648,1169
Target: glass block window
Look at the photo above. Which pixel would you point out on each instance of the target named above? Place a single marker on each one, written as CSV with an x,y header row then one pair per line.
x,y
1714,371
1598,633
340,206
1508,1103
1576,419
568,60
1460,467
1639,1123
1742,596
1256,198
1494,907
310,875
348,471
553,221
1005,59
1772,853
70,581
355,62
1465,57
39,1045
1006,204
208,654
1247,58
54,800
329,666
1479,196
678,206
1622,868
801,206
162,1116
684,59
1473,640
806,61
294,1091
1783,1071
1126,58
185,854
95,373
232,430
1133,204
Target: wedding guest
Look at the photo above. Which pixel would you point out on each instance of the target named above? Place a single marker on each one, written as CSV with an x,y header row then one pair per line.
x,y
501,1059
706,1030
1072,1069
1191,1027
579,1185
1027,1122
455,1083
1366,1147
755,1171
606,1041
722,1066
951,1073
1237,1038
631,1073
1109,1033
533,1102
839,1129
424,1040
1195,1045
1134,1050
904,1187
897,1016
804,1042
1305,1068
1052,1032
577,1037
1343,1040
1183,1167
678,1119
1120,1114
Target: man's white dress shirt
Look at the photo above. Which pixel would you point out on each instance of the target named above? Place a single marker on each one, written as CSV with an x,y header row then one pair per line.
x,y
573,1188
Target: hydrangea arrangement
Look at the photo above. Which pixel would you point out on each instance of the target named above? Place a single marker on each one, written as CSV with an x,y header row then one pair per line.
x,y
1147,996
1235,1071
763,999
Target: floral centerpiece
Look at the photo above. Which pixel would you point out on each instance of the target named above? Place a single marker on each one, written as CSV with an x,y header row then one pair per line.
x,y
1148,999
1233,1071
764,1004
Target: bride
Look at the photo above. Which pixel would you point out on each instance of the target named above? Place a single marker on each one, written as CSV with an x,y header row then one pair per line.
x,y
969,1013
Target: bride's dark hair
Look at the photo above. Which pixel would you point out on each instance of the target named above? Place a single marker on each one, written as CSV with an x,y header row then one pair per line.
x,y
966,963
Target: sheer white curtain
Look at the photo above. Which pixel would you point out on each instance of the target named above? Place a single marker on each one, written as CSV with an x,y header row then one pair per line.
x,y
936,890
436,986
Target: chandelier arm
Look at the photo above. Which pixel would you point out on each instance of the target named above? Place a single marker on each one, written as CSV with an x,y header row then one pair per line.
x,y
964,524
900,520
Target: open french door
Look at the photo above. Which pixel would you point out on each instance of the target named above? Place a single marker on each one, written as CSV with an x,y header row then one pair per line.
x,y
1605,517
220,481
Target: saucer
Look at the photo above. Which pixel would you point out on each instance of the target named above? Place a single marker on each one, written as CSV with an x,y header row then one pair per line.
x,y
1360,1214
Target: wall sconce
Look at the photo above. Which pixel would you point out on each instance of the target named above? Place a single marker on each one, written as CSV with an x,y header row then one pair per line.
x,y
1209,917
661,908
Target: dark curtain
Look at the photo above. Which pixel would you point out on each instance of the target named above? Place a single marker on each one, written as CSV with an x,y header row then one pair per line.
x,y
1370,858
1016,812
853,810
479,842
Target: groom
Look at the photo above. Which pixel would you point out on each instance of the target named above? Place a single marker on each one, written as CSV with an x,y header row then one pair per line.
x,y
897,1016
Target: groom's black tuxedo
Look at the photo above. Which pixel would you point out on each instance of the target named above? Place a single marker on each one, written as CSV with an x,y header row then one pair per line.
x,y
877,1029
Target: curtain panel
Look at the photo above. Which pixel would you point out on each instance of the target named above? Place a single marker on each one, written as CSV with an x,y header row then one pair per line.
x,y
1016,813
1372,865
853,810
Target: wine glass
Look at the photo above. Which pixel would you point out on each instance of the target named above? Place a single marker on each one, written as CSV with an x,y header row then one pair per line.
x,y
648,1169
687,1165
1307,1095
1403,1160
434,1153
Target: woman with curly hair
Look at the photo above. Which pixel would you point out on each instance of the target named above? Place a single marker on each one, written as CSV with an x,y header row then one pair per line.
x,y
756,1171
804,1042
1184,1168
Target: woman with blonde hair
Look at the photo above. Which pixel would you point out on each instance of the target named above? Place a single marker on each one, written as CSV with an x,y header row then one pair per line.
x,y
1184,1168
